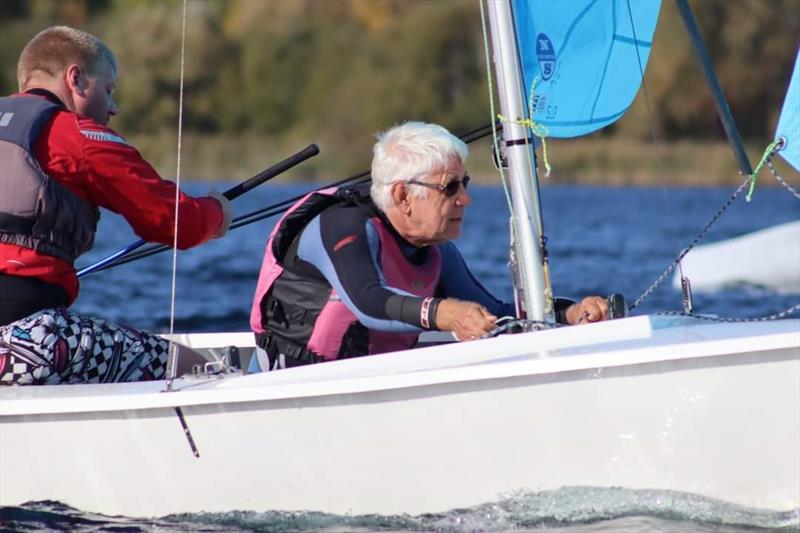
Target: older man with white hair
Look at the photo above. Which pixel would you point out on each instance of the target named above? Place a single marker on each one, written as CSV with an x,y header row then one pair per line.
x,y
347,273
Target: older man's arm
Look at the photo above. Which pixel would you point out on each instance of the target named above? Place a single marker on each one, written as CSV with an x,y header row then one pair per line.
x,y
343,246
469,310
469,320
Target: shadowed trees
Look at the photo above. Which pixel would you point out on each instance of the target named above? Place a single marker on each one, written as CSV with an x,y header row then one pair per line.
x,y
338,71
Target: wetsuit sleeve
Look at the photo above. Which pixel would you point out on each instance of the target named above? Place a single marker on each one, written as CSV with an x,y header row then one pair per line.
x,y
458,282
344,246
119,179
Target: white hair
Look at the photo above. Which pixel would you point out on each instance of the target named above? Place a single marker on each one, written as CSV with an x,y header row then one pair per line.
x,y
411,151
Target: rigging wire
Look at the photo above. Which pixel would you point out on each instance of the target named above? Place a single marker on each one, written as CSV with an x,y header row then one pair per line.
x,y
745,184
749,182
172,362
686,250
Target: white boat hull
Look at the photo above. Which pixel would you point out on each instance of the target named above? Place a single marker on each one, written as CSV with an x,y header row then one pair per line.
x,y
711,410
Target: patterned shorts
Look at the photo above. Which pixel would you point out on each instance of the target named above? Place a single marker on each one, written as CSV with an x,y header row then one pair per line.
x,y
56,346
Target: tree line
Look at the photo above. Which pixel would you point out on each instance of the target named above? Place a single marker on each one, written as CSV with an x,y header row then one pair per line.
x,y
340,70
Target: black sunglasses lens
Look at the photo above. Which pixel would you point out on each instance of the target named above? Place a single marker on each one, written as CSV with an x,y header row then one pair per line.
x,y
451,189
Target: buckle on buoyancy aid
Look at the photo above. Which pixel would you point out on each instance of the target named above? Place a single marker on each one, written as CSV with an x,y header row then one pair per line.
x,y
274,346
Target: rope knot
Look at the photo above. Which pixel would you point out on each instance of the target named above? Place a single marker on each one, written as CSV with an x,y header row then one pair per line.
x,y
537,129
771,149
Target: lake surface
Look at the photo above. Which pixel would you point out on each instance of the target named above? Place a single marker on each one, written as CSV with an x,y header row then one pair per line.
x,y
601,240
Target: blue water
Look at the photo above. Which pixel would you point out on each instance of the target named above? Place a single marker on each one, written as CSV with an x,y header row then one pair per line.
x,y
601,240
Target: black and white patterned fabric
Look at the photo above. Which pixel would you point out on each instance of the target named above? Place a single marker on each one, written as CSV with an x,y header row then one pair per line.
x,y
56,346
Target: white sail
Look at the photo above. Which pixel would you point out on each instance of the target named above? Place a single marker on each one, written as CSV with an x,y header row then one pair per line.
x,y
768,258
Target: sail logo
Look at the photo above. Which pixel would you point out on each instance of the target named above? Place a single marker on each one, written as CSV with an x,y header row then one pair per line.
x,y
546,55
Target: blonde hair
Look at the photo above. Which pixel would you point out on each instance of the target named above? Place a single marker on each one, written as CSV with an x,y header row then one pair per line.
x,y
52,50
409,151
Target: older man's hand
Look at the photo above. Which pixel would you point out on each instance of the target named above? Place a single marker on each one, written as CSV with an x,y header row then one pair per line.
x,y
590,309
467,320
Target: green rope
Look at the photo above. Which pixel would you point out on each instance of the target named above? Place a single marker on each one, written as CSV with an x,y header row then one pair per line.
x,y
764,158
537,129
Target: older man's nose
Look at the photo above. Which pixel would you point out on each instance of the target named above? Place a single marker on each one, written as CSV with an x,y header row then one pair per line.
x,y
464,199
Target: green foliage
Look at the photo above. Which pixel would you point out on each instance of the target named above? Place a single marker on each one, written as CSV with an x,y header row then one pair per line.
x,y
752,44
146,37
338,71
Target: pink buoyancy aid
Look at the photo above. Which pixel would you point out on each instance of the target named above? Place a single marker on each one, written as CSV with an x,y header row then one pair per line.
x,y
399,273
271,268
334,319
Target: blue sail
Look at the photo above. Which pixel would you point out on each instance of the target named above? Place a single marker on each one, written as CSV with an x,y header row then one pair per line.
x,y
789,123
584,59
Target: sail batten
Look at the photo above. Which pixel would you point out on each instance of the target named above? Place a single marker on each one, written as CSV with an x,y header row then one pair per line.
x,y
583,60
629,40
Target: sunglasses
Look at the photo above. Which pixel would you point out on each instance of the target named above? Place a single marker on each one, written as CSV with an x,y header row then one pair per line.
x,y
449,190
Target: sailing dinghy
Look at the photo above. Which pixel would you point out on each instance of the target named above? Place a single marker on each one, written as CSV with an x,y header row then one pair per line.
x,y
650,402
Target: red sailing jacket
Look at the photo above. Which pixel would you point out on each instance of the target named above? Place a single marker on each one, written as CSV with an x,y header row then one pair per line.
x,y
96,164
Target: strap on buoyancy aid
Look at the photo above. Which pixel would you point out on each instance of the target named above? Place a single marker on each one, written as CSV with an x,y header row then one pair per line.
x,y
299,321
354,344
288,326
275,345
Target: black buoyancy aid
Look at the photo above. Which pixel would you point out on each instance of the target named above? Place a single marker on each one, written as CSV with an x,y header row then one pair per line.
x,y
36,211
291,294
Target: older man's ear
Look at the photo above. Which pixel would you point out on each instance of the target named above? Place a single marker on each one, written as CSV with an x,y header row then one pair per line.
x,y
400,196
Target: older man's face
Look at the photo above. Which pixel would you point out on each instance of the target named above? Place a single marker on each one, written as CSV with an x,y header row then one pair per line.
x,y
437,217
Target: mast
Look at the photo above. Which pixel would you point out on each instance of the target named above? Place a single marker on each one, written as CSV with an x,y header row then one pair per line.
x,y
521,165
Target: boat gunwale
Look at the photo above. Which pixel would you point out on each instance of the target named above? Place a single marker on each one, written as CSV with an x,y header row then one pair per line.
x,y
695,341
